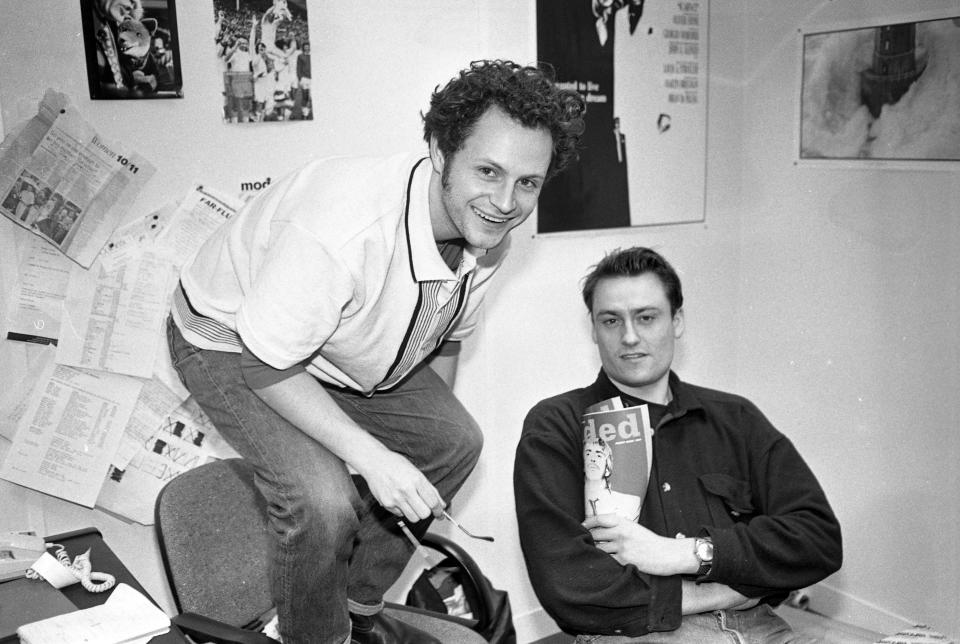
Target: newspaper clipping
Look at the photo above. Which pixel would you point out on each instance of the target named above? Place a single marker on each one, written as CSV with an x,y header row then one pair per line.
x,y
64,182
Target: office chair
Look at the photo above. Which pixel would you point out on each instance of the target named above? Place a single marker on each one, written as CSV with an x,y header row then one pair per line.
x,y
211,525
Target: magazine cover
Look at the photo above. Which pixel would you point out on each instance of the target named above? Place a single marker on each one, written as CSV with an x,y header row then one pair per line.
x,y
617,453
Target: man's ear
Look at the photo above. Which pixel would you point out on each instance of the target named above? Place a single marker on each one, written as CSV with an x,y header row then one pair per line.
x,y
678,323
437,157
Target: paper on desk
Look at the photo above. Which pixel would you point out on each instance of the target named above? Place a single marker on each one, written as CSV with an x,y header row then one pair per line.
x,y
64,182
127,617
112,320
70,431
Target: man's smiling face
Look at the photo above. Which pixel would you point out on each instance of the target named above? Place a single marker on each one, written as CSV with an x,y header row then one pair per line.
x,y
491,184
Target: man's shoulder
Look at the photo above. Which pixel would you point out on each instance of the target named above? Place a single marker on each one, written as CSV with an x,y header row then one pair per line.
x,y
352,191
708,395
569,404
367,172
724,405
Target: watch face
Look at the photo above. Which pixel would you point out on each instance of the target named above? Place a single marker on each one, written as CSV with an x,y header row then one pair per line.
x,y
705,550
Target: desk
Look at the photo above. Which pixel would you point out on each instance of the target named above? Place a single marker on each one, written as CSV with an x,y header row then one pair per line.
x,y
104,560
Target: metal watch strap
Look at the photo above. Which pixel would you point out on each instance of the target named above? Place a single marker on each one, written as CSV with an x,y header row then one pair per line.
x,y
705,560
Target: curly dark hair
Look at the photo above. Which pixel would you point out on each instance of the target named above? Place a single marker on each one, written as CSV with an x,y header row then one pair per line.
x,y
527,94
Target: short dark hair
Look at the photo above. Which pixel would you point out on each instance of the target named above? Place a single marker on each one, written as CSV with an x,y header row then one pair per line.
x,y
529,95
631,263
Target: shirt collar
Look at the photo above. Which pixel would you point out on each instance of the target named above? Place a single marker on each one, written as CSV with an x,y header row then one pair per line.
x,y
684,397
425,260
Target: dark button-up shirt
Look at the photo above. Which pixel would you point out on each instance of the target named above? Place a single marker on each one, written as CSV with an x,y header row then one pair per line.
x,y
720,468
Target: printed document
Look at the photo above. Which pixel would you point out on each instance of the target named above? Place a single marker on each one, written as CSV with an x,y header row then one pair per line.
x,y
70,432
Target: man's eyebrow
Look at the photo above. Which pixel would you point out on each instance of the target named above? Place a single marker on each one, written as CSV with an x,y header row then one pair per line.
x,y
640,309
499,168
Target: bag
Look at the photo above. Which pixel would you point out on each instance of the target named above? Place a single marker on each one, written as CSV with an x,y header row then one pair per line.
x,y
457,587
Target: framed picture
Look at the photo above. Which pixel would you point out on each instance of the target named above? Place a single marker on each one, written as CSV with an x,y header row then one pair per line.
x,y
881,92
132,49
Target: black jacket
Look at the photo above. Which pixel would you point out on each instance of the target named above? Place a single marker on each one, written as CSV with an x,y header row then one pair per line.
x,y
719,468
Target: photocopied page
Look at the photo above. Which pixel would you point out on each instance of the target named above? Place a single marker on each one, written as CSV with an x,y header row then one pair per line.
x,y
131,491
111,319
154,406
36,298
200,212
182,439
70,432
134,237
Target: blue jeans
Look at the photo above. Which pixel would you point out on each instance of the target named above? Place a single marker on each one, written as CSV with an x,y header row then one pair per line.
x,y
757,625
335,545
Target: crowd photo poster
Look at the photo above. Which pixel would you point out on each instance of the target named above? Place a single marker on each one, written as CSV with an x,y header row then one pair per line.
x,y
641,67
263,51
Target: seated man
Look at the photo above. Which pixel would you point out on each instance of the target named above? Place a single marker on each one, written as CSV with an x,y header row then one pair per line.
x,y
732,520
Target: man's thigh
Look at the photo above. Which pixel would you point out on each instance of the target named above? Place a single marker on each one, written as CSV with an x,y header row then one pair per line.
x,y
419,418
703,628
758,625
283,455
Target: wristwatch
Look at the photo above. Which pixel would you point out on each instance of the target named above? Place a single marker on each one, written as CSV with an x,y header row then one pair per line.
x,y
703,550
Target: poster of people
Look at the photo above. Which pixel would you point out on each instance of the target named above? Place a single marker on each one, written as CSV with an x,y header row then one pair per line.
x,y
642,69
887,92
263,49
132,49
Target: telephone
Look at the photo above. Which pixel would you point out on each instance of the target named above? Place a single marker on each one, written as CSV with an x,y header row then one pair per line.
x,y
19,551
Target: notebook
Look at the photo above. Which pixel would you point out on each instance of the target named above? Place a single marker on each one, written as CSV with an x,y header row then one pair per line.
x,y
126,616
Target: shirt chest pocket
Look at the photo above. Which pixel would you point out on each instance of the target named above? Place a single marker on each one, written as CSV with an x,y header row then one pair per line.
x,y
728,498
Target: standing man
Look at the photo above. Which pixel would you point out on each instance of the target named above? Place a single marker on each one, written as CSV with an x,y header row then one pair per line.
x,y
732,521
319,330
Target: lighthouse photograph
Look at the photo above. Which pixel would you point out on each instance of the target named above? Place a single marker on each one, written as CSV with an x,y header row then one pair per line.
x,y
887,92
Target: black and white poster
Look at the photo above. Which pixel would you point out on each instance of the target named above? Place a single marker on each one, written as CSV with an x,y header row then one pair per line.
x,y
641,66
263,49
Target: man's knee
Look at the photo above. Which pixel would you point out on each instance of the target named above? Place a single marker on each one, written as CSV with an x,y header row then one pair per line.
x,y
313,510
469,443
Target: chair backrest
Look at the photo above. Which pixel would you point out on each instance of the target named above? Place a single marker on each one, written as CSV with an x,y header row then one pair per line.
x,y
211,524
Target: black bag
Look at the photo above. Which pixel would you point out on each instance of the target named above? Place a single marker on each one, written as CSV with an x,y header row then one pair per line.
x,y
457,587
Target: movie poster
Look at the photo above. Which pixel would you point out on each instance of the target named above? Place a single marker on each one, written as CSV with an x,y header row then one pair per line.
x,y
642,69
263,49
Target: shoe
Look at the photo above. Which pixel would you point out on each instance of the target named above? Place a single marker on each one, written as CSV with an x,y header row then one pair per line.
x,y
383,629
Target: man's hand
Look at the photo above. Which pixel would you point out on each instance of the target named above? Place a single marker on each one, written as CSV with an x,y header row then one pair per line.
x,y
631,543
399,486
393,480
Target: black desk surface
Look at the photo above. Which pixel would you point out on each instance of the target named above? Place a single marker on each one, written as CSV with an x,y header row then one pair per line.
x,y
103,560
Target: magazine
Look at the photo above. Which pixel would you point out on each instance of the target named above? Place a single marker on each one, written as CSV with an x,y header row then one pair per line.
x,y
617,454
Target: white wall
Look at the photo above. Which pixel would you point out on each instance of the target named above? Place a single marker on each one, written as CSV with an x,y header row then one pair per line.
x,y
830,297
847,317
